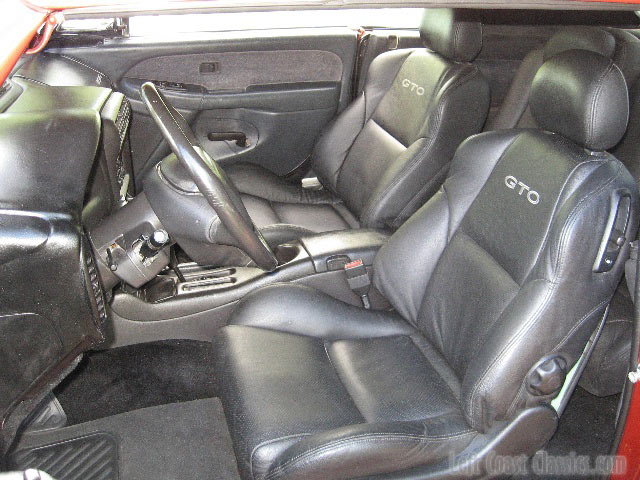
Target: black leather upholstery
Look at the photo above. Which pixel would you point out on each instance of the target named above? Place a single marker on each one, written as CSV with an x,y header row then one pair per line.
x,y
451,34
558,101
608,366
592,39
620,46
388,151
487,278
606,371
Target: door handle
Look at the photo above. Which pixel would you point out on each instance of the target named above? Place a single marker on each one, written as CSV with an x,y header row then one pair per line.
x,y
239,137
176,86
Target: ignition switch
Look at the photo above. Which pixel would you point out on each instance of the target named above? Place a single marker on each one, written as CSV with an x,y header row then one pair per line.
x,y
154,243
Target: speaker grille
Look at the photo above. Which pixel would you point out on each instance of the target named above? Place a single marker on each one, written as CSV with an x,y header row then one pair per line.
x,y
94,284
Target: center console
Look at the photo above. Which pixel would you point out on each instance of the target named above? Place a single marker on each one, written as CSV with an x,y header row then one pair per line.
x,y
193,301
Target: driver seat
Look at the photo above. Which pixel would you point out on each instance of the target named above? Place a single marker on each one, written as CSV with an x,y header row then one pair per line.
x,y
497,284
389,150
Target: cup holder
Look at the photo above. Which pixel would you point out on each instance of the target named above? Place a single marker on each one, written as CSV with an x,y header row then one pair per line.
x,y
286,253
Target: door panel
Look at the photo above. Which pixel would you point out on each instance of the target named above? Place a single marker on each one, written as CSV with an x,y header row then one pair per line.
x,y
238,71
277,87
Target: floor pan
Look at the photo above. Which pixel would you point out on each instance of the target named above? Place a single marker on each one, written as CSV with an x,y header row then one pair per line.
x,y
178,440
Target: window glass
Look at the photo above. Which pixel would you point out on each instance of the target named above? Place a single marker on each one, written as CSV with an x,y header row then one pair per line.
x,y
150,25
88,25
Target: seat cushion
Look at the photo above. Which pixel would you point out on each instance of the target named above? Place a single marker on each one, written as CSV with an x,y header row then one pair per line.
x,y
284,211
303,375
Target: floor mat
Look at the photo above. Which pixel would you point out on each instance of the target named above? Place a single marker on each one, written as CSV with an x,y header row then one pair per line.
x,y
179,440
92,457
137,376
586,427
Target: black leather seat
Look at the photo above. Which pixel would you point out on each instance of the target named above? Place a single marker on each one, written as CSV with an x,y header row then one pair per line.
x,y
389,151
499,270
606,372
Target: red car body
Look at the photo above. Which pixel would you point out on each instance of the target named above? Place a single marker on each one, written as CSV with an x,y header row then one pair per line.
x,y
28,26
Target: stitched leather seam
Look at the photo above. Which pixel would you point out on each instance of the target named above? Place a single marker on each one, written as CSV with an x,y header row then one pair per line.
x,y
519,334
404,172
511,408
416,198
555,207
594,103
571,219
324,344
87,66
456,33
435,369
366,438
619,320
579,324
277,226
33,80
573,215
270,203
388,87
269,442
526,326
368,117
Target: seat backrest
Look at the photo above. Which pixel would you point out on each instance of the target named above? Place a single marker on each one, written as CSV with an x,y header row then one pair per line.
x,y
390,149
506,263
617,44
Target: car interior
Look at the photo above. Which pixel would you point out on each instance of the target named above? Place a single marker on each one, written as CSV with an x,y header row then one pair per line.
x,y
320,253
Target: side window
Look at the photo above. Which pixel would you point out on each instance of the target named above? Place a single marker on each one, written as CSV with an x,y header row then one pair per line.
x,y
152,25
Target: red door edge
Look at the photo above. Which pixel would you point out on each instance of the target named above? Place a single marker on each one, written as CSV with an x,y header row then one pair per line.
x,y
629,446
22,23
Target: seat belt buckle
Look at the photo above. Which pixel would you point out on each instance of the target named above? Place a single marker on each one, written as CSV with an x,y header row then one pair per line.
x,y
358,280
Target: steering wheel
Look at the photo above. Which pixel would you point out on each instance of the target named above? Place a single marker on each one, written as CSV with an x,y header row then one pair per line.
x,y
208,177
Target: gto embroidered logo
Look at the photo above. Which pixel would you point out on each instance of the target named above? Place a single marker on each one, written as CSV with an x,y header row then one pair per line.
x,y
413,87
512,182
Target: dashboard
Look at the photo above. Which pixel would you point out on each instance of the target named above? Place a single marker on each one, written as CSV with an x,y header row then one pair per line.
x,y
66,164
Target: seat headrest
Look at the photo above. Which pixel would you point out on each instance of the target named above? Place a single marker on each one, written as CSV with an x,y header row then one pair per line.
x,y
580,38
582,96
451,33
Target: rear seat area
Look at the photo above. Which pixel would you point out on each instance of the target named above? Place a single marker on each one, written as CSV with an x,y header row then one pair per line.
x,y
606,371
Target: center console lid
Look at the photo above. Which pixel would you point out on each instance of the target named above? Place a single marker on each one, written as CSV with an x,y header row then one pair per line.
x,y
332,250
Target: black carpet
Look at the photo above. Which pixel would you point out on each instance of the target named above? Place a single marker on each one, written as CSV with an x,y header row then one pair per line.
x,y
186,440
137,376
586,427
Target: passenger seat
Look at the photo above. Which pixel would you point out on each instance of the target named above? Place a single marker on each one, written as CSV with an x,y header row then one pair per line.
x,y
606,371
389,151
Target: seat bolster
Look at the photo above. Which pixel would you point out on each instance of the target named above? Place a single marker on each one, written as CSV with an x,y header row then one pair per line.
x,y
259,182
372,448
306,311
403,188
338,136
